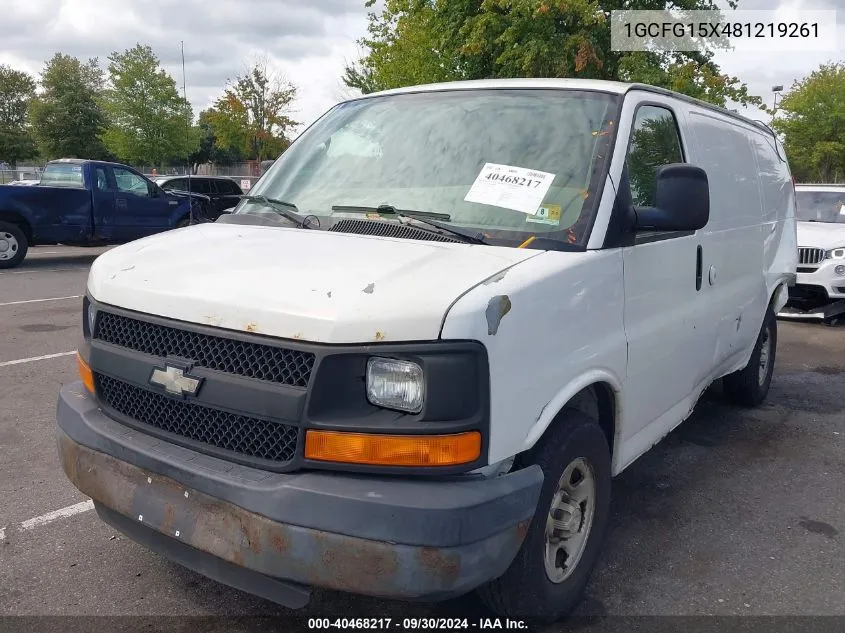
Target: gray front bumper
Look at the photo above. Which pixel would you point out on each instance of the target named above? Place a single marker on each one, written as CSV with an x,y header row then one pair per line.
x,y
277,534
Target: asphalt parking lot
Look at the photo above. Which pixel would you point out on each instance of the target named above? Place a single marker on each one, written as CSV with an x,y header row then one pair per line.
x,y
736,513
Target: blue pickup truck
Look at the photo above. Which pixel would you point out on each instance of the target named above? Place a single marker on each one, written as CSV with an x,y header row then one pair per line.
x,y
90,203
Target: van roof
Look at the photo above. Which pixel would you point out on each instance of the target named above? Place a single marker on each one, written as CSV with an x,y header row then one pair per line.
x,y
598,85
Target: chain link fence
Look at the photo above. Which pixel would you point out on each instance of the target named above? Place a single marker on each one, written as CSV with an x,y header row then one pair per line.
x,y
28,174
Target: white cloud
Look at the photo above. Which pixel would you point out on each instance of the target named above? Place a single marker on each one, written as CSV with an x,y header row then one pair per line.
x,y
309,41
762,70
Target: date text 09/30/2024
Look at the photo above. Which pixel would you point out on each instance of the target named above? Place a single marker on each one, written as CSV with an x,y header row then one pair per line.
x,y
416,624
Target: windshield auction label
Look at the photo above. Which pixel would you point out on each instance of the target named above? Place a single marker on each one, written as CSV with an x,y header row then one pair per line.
x,y
509,187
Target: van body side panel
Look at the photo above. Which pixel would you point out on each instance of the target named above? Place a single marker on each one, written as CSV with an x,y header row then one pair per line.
x,y
664,319
732,241
546,324
780,244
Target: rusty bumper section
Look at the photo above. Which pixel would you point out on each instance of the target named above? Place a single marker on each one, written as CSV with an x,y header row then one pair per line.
x,y
275,560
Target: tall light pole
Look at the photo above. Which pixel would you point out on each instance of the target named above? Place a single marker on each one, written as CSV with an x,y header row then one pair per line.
x,y
776,90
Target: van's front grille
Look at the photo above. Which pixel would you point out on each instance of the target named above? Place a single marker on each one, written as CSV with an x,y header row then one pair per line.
x,y
248,436
251,360
807,255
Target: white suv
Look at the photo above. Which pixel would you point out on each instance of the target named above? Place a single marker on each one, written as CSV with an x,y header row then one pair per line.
x,y
821,243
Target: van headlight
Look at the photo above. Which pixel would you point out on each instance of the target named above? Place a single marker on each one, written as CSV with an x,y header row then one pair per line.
x,y
92,319
395,384
89,317
836,253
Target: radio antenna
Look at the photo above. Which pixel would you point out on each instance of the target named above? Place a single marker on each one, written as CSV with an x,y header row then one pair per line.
x,y
187,136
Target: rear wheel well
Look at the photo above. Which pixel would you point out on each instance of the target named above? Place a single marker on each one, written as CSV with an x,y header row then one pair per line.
x,y
14,218
775,293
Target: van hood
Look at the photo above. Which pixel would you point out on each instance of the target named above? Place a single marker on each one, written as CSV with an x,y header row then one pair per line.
x,y
296,283
826,235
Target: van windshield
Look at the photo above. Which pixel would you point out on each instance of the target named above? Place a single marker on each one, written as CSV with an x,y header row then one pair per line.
x,y
820,206
509,164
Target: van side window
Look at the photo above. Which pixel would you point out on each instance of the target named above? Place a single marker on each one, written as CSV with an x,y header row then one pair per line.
x,y
654,142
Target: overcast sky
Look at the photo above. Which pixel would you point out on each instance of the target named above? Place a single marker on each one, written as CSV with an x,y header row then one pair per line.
x,y
309,40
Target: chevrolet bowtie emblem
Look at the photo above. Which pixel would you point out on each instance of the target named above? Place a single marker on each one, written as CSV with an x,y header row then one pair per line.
x,y
174,381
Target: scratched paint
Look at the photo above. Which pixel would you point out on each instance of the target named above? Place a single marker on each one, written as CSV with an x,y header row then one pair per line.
x,y
497,308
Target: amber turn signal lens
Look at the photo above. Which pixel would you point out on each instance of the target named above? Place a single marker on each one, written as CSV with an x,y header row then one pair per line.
x,y
393,450
85,373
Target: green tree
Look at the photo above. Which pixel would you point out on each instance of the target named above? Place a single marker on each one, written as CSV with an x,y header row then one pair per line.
x,y
416,41
653,144
205,142
812,121
252,115
17,89
208,149
147,116
68,118
357,75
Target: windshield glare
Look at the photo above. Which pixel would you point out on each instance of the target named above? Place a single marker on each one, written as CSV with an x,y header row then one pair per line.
x,y
508,163
821,206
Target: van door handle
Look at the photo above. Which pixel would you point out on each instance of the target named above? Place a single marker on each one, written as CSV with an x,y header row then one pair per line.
x,y
699,262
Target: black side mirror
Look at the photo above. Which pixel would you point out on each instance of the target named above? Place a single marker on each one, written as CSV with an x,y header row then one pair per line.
x,y
682,200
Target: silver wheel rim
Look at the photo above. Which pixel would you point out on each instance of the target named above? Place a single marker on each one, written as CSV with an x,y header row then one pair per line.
x,y
765,357
570,520
8,245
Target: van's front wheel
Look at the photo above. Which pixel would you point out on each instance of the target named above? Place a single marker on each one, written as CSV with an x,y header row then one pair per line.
x,y
547,578
749,387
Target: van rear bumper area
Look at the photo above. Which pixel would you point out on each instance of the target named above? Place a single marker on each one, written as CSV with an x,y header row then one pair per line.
x,y
276,535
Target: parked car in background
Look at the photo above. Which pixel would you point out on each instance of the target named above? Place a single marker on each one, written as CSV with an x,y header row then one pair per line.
x,y
23,183
87,203
821,245
224,193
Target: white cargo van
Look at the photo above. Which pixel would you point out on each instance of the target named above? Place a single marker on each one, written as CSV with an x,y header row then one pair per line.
x,y
821,244
409,364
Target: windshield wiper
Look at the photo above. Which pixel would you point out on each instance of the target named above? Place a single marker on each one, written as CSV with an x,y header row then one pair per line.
x,y
281,207
426,217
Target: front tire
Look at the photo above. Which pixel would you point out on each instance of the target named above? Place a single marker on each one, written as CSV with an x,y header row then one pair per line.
x,y
749,386
547,579
13,245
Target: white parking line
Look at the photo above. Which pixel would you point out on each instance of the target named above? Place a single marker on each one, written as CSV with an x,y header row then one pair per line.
x,y
44,519
63,513
20,361
17,303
